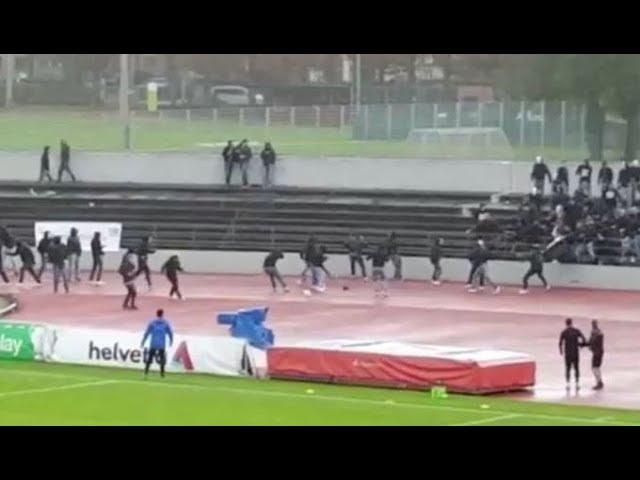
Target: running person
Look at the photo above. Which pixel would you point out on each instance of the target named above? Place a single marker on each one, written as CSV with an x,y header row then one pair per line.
x,y
482,270
143,251
435,256
27,259
596,345
171,268
378,260
43,249
97,253
158,330
318,270
128,272
306,254
536,259
570,341
271,270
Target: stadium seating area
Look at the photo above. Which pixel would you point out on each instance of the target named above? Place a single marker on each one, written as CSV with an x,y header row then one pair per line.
x,y
222,218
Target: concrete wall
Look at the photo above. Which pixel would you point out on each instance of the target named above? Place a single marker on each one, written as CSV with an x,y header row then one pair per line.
x,y
505,273
324,172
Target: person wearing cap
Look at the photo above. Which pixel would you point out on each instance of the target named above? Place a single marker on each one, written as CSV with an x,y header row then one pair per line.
x,y
539,173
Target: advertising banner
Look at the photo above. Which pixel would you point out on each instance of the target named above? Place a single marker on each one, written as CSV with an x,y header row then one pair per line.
x,y
16,341
110,233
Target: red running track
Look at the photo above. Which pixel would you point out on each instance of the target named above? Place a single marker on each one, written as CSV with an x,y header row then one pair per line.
x,y
415,311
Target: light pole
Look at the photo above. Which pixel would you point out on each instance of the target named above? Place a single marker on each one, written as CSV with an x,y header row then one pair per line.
x,y
124,98
358,81
8,64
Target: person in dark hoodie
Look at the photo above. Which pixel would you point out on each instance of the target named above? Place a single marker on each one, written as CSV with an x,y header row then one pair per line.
x,y
571,339
435,255
536,266
3,274
356,246
143,251
128,273
244,156
378,260
45,166
27,259
271,270
97,253
605,177
539,172
171,268
318,270
561,182
393,252
584,172
74,250
268,157
57,256
307,252
43,249
227,157
596,345
65,159
482,256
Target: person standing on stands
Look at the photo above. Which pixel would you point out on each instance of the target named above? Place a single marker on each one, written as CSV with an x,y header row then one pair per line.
x,y
271,270
570,341
624,182
227,157
159,330
393,252
245,154
356,246
27,259
43,249
268,157
97,253
634,176
45,166
562,179
57,256
127,271
378,260
435,256
584,172
536,260
143,252
605,177
596,345
65,159
74,252
171,268
539,173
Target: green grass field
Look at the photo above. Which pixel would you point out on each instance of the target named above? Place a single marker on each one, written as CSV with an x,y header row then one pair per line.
x,y
44,394
31,129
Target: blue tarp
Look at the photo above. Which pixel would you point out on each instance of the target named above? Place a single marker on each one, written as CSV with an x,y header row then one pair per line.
x,y
249,324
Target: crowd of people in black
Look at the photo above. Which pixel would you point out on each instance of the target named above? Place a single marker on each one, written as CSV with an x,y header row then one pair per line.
x,y
238,157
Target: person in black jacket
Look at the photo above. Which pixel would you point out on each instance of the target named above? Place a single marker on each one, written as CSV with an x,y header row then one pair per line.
x,y
57,256
128,273
318,270
43,249
244,155
65,159
227,157
27,259
584,172
481,259
605,177
536,266
378,260
571,339
97,253
307,252
596,345
171,268
268,156
271,270
74,251
356,246
143,251
3,274
45,166
624,181
561,182
393,252
539,173
435,255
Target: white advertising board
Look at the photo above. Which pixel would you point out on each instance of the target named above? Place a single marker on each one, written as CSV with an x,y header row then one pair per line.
x,y
110,233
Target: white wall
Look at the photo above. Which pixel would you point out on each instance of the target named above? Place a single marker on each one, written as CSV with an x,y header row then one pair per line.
x,y
503,272
323,172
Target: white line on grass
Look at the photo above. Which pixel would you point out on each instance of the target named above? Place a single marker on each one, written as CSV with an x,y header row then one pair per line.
x,y
381,403
488,420
56,389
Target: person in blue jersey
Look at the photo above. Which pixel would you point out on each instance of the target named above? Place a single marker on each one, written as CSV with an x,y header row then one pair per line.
x,y
158,331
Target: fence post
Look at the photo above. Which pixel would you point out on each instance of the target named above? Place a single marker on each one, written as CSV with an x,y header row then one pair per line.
x,y
342,109
188,113
522,123
542,129
366,122
480,105
502,115
317,110
389,120
413,116
435,115
458,114
563,125
215,115
292,116
241,116
267,117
